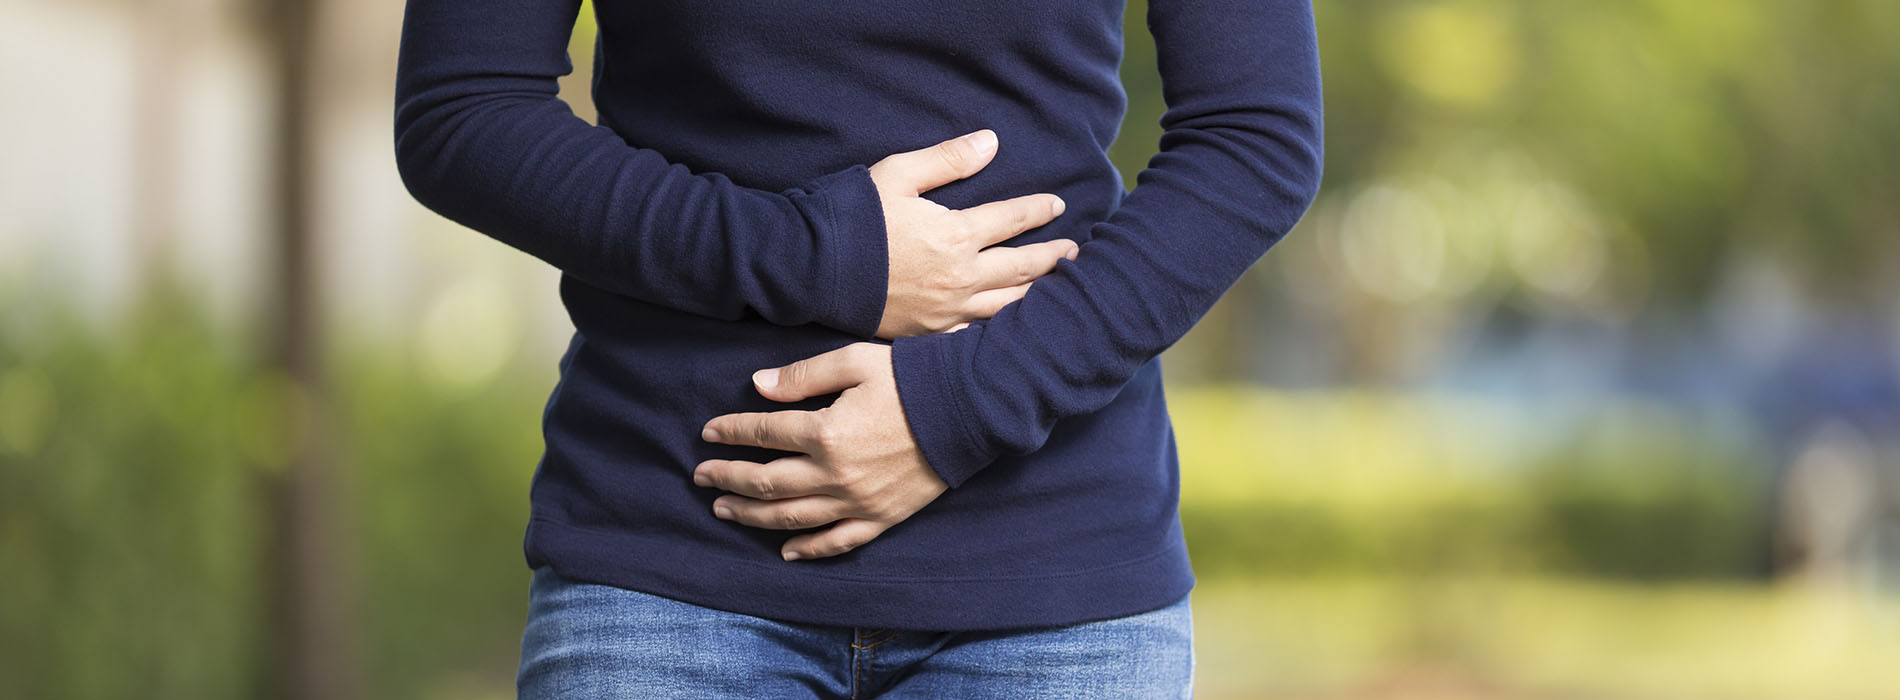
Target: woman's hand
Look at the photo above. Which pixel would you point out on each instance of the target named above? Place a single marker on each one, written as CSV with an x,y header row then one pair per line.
x,y
941,274
859,469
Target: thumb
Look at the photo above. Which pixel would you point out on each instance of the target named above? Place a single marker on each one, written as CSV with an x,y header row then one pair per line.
x,y
818,375
925,169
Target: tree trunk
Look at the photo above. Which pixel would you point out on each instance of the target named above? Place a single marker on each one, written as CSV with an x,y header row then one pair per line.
x,y
309,655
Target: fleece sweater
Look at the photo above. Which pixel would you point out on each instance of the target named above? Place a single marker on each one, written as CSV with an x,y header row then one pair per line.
x,y
720,218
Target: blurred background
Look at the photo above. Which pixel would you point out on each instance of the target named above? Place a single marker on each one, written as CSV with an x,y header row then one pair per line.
x,y
1580,380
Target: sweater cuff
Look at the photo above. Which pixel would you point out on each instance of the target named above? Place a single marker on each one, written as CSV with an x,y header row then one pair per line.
x,y
847,219
930,386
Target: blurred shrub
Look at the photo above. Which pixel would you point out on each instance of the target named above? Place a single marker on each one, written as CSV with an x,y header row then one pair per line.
x,y
128,517
438,481
127,509
129,522
1661,505
1349,482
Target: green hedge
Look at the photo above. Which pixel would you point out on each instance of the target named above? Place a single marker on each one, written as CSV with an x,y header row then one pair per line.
x,y
129,515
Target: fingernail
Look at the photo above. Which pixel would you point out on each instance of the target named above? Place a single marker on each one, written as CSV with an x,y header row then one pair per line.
x,y
984,141
700,479
791,555
709,435
1058,206
1073,251
723,512
765,378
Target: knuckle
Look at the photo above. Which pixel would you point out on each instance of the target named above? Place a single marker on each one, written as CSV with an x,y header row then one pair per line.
x,y
853,490
958,279
955,154
957,243
790,519
833,478
791,375
764,487
827,435
960,233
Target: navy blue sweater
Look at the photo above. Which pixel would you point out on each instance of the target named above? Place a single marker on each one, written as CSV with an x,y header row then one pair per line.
x,y
721,219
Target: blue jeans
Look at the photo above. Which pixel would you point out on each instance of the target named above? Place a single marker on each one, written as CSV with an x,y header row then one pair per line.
x,y
586,640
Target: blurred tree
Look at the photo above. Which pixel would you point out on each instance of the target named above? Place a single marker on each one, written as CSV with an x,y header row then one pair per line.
x,y
308,622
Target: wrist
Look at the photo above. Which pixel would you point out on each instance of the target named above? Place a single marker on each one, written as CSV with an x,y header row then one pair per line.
x,y
845,216
929,389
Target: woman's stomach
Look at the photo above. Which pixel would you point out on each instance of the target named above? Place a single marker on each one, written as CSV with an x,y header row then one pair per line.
x,y
622,432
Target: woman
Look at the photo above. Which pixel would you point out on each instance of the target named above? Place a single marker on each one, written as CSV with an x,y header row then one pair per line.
x,y
985,512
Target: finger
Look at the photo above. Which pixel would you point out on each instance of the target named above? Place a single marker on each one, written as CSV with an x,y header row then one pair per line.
x,y
995,222
818,375
1008,266
780,478
792,431
925,169
848,534
783,514
988,303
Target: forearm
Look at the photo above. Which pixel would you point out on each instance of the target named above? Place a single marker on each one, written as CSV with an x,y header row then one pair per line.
x,y
483,139
1239,164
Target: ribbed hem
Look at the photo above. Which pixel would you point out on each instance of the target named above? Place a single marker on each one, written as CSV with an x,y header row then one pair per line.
x,y
928,382
785,591
853,248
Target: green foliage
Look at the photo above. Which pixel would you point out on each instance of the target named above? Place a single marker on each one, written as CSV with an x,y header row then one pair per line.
x,y
1657,505
129,491
1680,135
127,510
438,483
130,487
1407,486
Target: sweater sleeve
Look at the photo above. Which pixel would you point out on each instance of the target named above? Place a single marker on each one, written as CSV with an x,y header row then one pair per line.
x,y
483,139
1239,164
